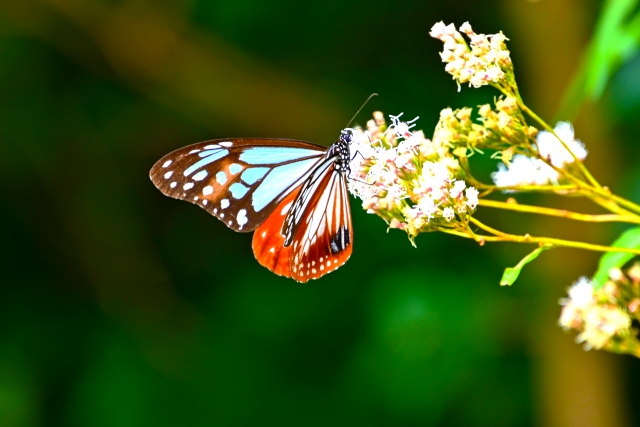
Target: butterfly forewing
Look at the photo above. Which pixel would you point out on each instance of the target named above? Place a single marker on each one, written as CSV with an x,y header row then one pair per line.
x,y
240,181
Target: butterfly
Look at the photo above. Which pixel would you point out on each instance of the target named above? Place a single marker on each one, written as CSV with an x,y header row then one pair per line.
x,y
292,193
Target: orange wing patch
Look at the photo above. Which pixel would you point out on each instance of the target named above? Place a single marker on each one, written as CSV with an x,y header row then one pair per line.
x,y
268,241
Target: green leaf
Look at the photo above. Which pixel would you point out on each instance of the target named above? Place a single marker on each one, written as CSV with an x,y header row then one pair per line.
x,y
511,273
628,239
616,39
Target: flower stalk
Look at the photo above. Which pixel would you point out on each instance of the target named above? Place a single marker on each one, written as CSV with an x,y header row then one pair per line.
x,y
419,184
512,205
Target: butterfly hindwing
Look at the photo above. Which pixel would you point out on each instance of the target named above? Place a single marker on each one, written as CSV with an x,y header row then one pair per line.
x,y
322,233
240,181
268,240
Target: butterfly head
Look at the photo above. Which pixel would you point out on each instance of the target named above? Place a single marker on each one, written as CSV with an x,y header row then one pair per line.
x,y
346,135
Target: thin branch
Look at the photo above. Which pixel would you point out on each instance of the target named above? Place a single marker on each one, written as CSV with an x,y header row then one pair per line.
x,y
559,212
548,128
499,236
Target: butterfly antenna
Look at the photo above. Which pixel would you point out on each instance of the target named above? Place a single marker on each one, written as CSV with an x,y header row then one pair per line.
x,y
360,109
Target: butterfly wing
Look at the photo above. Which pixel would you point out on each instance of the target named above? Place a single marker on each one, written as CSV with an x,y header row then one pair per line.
x,y
268,240
324,237
240,181
315,234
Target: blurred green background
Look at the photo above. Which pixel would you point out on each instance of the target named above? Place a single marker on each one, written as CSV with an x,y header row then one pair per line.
x,y
122,307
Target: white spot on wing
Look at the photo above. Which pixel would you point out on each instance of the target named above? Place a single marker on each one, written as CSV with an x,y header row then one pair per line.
x,y
188,186
242,217
221,177
272,250
264,233
226,144
234,168
167,163
200,175
197,150
195,198
211,147
204,202
173,184
168,174
207,190
286,208
224,203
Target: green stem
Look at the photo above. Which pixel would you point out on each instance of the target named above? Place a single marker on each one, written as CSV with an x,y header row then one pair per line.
x,y
630,346
606,193
560,189
594,186
559,212
548,128
499,236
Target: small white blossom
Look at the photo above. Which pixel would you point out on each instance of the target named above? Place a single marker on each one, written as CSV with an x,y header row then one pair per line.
x,y
400,128
448,213
616,274
458,187
601,323
594,313
581,292
428,206
485,60
472,197
524,170
551,148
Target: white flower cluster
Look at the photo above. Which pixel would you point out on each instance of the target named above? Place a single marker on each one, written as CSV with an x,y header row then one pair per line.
x,y
439,196
400,176
524,170
485,60
551,148
595,314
